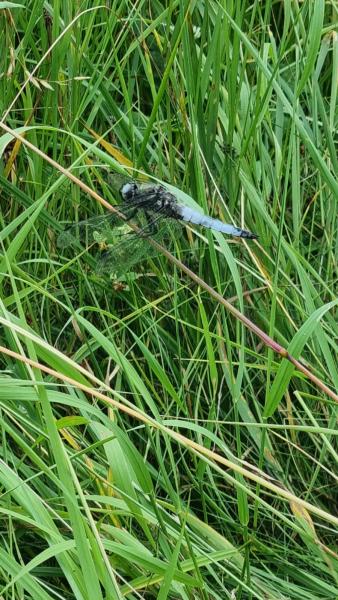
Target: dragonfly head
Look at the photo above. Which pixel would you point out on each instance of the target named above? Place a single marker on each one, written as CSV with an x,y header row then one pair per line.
x,y
129,190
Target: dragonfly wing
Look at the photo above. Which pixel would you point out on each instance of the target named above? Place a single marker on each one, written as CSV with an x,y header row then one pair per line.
x,y
133,248
95,229
130,248
122,257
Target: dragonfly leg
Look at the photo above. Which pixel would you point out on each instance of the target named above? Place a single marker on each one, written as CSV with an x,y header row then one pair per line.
x,y
132,214
151,228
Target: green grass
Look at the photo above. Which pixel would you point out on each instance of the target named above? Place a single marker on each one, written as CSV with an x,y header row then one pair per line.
x,y
171,434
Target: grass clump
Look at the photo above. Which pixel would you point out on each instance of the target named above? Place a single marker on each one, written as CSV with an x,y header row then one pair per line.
x,y
169,433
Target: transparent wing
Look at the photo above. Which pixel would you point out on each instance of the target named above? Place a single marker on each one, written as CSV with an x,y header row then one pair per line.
x,y
125,248
135,247
99,229
96,229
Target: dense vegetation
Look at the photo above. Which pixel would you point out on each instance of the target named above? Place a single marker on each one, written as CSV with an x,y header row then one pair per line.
x,y
169,433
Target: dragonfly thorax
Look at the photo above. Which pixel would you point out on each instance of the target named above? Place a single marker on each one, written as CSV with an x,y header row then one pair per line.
x,y
153,198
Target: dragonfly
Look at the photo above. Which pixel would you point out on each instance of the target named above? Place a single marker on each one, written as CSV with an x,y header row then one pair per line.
x,y
157,213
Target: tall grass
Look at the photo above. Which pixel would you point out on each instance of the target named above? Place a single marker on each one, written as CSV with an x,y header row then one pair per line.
x,y
170,434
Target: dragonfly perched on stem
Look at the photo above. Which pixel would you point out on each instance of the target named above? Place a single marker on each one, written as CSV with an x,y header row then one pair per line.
x,y
158,214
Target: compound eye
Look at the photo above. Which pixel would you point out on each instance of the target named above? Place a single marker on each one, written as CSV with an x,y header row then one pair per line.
x,y
129,190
